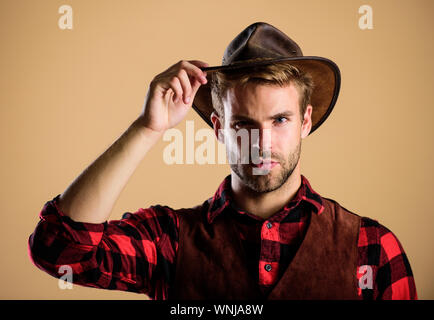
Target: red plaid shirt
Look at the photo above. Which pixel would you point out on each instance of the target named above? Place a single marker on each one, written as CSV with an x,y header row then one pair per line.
x,y
138,252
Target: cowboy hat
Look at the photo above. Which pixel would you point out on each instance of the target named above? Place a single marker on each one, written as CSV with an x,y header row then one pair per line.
x,y
260,44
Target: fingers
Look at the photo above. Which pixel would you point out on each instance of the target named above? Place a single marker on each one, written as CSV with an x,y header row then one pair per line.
x,y
199,64
176,87
184,78
185,84
189,78
192,68
195,86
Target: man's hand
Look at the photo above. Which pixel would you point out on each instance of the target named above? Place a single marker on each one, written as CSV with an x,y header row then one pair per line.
x,y
171,94
92,195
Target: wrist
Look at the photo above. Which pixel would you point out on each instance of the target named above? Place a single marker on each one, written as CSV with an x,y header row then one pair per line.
x,y
149,133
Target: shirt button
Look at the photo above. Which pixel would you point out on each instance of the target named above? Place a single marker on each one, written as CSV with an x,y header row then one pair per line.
x,y
268,267
269,225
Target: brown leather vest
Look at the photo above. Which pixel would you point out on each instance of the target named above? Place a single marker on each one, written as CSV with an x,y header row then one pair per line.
x,y
211,262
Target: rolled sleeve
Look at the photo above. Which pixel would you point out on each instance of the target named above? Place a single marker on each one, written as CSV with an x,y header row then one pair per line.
x,y
83,233
117,254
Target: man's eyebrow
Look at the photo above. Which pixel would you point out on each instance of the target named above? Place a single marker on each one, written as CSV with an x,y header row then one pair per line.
x,y
236,117
240,117
282,114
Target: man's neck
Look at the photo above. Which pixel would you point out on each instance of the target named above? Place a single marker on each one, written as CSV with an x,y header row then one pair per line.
x,y
265,205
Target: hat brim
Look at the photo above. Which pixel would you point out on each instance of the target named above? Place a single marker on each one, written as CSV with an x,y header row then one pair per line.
x,y
324,72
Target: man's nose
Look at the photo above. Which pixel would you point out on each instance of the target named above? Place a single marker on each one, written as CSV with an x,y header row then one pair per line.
x,y
261,140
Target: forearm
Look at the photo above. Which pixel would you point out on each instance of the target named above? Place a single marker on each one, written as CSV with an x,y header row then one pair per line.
x,y
92,195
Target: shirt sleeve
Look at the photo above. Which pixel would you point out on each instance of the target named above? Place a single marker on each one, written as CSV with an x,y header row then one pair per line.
x,y
117,254
381,252
394,276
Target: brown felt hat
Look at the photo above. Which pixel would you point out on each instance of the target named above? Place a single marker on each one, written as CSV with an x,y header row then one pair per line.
x,y
260,44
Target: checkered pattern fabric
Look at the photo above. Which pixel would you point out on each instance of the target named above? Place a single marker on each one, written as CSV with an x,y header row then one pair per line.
x,y
138,252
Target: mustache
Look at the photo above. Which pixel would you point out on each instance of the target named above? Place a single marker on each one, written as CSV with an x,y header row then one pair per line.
x,y
267,156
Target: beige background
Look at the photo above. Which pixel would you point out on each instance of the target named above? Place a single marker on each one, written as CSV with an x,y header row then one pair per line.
x,y
66,95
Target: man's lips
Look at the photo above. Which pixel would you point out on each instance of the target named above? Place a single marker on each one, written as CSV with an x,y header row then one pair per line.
x,y
268,165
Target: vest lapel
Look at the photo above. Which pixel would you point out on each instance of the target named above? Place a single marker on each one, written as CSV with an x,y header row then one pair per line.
x,y
211,261
325,264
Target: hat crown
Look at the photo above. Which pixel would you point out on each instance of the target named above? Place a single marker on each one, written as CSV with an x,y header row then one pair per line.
x,y
260,40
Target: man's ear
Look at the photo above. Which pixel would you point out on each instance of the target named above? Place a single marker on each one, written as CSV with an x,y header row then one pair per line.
x,y
217,125
307,122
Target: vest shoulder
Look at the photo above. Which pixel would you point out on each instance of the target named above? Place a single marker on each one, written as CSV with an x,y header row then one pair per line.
x,y
336,208
194,211
333,205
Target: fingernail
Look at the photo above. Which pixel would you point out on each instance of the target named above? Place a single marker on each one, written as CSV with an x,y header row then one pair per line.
x,y
187,100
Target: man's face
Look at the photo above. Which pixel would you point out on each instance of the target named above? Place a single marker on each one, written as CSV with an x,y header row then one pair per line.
x,y
274,112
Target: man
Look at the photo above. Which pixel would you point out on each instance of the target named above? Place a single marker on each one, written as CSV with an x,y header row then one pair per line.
x,y
265,234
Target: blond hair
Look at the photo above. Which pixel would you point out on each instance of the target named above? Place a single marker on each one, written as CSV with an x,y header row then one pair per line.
x,y
280,73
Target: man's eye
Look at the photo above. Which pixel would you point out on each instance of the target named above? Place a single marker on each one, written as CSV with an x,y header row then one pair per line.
x,y
240,124
280,120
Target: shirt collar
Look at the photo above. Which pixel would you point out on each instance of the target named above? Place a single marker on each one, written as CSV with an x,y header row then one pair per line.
x,y
223,199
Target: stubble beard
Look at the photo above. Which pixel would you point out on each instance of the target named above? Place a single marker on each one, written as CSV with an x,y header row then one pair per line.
x,y
272,180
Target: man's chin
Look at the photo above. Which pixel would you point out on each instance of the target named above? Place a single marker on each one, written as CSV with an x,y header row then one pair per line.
x,y
261,183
